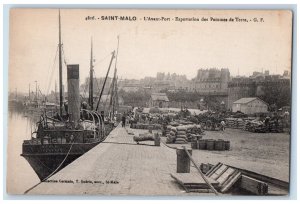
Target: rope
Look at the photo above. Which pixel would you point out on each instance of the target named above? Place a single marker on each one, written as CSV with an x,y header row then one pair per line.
x,y
99,62
52,172
52,71
64,56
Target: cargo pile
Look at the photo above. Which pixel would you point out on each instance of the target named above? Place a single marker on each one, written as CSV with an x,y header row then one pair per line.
x,y
171,134
181,137
235,123
253,126
210,144
194,132
261,127
145,126
183,133
276,126
177,135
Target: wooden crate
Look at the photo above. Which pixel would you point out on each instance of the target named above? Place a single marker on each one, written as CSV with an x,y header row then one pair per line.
x,y
193,182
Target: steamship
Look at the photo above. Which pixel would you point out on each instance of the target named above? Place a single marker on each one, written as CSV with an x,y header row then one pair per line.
x,y
76,129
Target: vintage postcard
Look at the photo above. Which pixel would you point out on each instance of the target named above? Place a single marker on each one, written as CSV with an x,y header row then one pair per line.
x,y
149,102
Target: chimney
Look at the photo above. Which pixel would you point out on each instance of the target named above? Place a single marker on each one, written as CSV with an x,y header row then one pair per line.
x,y
73,94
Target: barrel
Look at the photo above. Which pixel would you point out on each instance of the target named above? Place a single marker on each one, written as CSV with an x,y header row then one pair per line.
x,y
194,144
227,145
183,160
219,145
201,144
210,144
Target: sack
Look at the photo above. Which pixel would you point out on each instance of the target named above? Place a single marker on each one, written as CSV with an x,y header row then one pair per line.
x,y
143,137
181,128
181,137
174,129
180,142
181,132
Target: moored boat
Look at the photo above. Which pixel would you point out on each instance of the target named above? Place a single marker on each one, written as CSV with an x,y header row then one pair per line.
x,y
63,137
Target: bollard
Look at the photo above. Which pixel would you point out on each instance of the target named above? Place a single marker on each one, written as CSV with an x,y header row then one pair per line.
x,y
183,160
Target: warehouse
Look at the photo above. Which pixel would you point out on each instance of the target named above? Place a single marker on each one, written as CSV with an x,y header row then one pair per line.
x,y
250,106
159,100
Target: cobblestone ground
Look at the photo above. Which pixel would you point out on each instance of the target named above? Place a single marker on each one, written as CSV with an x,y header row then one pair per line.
x,y
121,167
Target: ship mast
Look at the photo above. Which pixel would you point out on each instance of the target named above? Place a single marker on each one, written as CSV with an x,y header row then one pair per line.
x,y
113,97
101,93
29,93
36,92
60,69
55,94
91,91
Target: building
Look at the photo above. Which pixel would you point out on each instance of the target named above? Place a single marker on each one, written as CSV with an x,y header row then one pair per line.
x,y
166,82
159,100
259,85
211,80
250,105
129,85
240,87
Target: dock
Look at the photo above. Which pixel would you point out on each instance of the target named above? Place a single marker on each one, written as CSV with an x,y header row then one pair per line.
x,y
118,166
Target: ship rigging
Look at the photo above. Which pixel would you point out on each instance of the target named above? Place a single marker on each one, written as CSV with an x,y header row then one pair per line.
x,y
60,140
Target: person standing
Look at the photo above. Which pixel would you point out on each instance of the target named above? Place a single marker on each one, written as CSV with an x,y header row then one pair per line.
x,y
223,124
123,120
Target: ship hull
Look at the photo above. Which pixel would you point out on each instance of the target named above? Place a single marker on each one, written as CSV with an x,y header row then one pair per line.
x,y
44,165
51,158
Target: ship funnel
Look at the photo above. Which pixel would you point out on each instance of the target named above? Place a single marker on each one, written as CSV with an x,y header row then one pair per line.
x,y
73,94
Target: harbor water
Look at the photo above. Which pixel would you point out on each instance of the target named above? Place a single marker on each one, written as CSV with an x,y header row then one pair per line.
x,y
20,175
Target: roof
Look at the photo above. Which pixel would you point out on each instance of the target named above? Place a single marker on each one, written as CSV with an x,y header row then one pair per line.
x,y
248,100
159,97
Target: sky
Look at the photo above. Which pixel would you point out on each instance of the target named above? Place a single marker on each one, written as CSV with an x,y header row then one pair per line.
x,y
145,47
